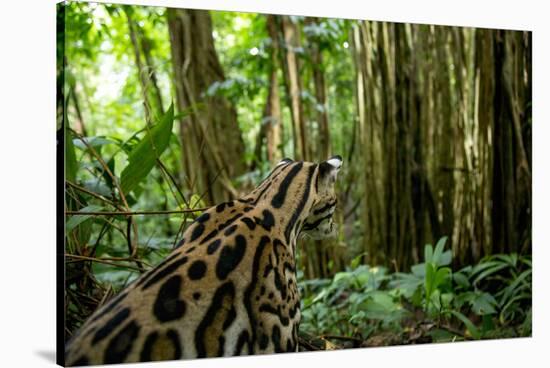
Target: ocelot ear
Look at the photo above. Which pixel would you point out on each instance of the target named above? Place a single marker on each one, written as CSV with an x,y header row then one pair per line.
x,y
328,170
284,161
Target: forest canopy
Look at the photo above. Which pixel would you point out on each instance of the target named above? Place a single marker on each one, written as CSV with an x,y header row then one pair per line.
x,y
170,111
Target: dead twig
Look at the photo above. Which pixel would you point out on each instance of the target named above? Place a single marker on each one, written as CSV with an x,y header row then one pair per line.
x,y
307,345
98,196
132,213
105,261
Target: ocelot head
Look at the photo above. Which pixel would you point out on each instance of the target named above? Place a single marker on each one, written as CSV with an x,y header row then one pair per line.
x,y
316,182
320,223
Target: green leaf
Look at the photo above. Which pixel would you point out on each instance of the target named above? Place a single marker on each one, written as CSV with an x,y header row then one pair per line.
x,y
429,280
446,258
419,270
469,325
428,253
513,288
92,141
76,220
438,250
461,280
484,303
490,271
441,276
355,261
143,156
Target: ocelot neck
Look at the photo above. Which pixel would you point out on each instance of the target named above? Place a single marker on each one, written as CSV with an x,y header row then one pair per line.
x,y
287,193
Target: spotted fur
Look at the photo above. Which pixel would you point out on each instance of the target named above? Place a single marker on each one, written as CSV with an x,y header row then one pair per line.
x,y
229,288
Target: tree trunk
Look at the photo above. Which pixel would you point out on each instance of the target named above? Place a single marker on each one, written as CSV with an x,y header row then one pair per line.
x,y
212,144
272,124
293,86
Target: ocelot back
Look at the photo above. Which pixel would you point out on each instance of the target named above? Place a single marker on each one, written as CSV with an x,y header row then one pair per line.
x,y
229,288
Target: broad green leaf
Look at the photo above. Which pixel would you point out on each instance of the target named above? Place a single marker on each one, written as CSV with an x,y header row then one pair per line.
x,y
441,276
428,253
461,280
446,258
76,220
143,156
438,250
419,270
484,303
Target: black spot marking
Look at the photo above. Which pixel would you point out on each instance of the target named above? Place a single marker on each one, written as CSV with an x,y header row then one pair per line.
x,y
231,315
210,236
267,269
221,345
227,289
247,200
168,305
174,337
230,230
197,270
243,339
197,231
203,218
296,214
230,257
264,340
264,241
120,346
326,207
145,355
249,222
213,247
190,250
248,209
279,198
276,311
181,242
276,338
196,296
167,270
267,222
313,225
220,207
229,222
111,325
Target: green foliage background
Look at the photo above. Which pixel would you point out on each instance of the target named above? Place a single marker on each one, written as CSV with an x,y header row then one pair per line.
x,y
117,162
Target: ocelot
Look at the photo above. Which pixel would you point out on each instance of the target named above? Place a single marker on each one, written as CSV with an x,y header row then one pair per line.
x,y
229,288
